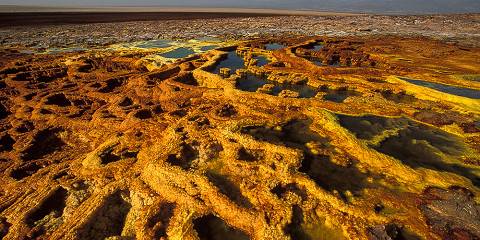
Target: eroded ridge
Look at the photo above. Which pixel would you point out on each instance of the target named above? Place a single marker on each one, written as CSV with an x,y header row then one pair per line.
x,y
293,138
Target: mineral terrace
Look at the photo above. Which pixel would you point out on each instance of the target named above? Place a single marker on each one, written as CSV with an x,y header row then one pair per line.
x,y
304,138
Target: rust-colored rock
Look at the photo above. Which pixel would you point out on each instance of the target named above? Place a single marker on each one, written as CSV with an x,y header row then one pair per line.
x,y
101,144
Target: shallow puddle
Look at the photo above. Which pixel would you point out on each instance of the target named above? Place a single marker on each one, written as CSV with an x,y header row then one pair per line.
x,y
317,47
459,91
160,43
178,53
232,61
251,83
208,48
274,46
261,60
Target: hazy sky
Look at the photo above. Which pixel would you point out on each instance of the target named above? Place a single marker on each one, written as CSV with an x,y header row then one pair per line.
x,y
339,5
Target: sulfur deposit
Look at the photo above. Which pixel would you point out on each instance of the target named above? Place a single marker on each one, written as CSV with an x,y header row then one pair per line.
x,y
302,138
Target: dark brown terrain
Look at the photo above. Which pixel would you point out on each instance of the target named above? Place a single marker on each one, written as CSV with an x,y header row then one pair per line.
x,y
62,18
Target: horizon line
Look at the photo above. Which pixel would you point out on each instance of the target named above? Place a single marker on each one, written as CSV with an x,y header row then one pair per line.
x,y
19,8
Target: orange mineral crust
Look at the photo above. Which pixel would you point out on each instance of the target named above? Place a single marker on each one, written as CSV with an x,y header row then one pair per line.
x,y
367,137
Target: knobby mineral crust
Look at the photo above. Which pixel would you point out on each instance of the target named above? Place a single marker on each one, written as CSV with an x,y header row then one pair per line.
x,y
100,145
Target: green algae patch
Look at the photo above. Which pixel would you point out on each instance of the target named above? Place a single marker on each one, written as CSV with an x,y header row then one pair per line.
x,y
470,77
322,231
415,144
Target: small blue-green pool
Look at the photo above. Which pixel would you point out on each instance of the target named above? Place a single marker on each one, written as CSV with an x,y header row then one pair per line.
x,y
178,53
454,90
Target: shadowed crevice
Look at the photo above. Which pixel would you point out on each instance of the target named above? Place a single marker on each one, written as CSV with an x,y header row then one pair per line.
x,y
211,227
